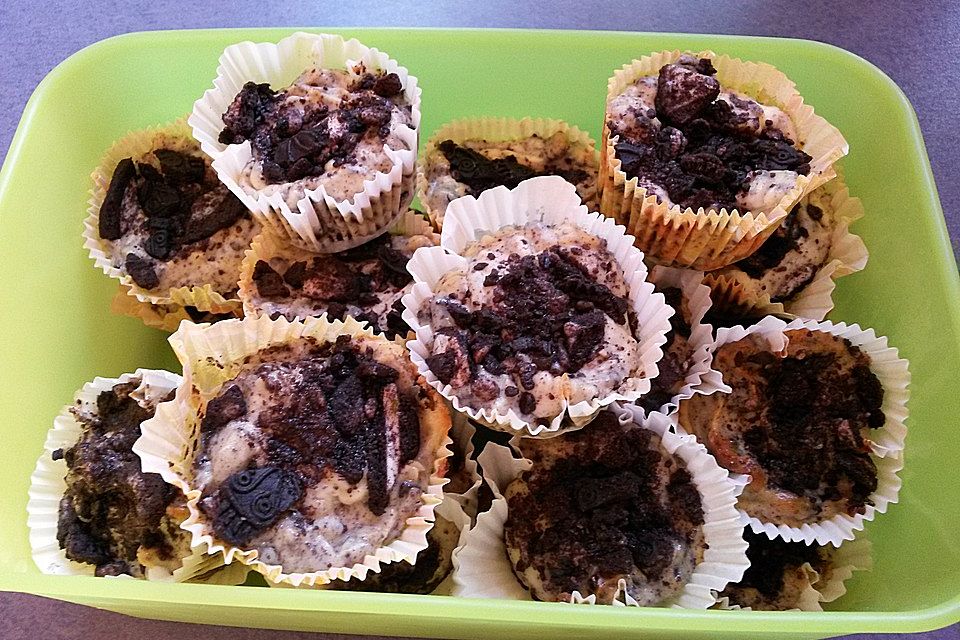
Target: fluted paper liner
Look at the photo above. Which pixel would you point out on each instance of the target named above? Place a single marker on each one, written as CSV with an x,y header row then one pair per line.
x,y
137,145
48,484
267,245
315,220
212,355
700,377
848,254
551,200
851,556
164,317
886,442
709,239
483,570
495,129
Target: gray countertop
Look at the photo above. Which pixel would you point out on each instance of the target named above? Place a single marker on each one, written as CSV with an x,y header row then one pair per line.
x,y
915,43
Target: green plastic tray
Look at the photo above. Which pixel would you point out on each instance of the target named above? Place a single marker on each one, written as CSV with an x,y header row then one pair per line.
x,y
58,332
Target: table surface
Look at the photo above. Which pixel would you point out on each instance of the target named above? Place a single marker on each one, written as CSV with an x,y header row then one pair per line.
x,y
916,44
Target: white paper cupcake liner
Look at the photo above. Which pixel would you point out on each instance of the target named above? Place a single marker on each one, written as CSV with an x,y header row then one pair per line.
x,y
212,355
700,378
495,129
848,254
483,570
315,221
267,245
550,200
137,145
48,483
886,442
851,556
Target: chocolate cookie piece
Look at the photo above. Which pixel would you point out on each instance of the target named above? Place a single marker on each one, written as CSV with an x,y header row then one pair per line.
x,y
252,500
228,405
142,271
269,283
111,214
769,560
683,92
110,507
775,248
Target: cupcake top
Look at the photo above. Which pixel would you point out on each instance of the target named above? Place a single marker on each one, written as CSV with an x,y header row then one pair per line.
x,y
433,565
471,166
797,422
329,128
366,282
789,259
538,317
692,143
315,455
779,574
603,505
113,515
170,223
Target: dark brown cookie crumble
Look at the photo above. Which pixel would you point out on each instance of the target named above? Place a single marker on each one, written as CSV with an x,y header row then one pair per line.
x,y
110,508
673,366
769,561
704,152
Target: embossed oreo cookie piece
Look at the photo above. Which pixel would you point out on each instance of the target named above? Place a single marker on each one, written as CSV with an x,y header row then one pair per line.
x,y
252,500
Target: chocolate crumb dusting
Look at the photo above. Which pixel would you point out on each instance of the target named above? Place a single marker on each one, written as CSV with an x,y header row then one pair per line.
x,y
600,512
329,410
704,153
297,140
110,507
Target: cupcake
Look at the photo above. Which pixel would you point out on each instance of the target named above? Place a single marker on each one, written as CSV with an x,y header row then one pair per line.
x,y
311,451
798,265
617,513
162,223
794,575
814,417
533,309
467,157
366,282
328,159
685,366
92,510
704,155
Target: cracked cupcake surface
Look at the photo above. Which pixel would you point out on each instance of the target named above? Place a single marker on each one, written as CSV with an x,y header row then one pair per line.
x,y
799,424
538,318
366,282
454,169
169,222
315,455
692,143
602,505
329,128
112,515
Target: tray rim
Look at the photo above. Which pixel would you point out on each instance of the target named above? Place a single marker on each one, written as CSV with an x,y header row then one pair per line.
x,y
513,613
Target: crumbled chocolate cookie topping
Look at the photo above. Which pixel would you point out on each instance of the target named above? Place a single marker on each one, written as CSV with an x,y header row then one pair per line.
x,y
331,409
673,366
775,248
295,140
110,508
769,559
597,514
704,152
351,277
547,315
180,205
809,440
480,173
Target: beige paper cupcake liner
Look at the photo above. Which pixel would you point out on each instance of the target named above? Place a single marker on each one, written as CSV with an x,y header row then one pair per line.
x,y
315,221
48,484
848,254
137,145
712,239
267,245
212,355
700,378
493,129
483,570
164,317
550,200
886,442
851,556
